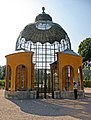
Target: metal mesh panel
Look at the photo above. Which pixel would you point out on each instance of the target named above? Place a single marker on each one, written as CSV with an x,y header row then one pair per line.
x,y
44,55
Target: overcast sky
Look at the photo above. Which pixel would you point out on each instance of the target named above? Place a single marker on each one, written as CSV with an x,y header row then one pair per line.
x,y
73,15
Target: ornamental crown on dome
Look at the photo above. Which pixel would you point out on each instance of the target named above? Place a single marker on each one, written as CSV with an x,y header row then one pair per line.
x,y
43,16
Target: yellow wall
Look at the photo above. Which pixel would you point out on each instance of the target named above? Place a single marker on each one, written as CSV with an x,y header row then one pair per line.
x,y
21,58
68,59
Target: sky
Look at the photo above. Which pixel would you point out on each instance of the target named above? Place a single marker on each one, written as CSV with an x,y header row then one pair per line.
x,y
74,16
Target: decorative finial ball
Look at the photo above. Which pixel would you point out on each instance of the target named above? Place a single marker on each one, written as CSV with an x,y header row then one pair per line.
x,y
43,8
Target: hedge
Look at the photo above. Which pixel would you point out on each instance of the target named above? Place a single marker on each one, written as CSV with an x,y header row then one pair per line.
x,y
2,83
87,83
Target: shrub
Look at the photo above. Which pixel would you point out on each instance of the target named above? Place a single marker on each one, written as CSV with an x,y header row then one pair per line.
x,y
87,83
2,83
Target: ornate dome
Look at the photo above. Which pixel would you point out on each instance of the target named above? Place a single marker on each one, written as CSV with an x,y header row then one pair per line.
x,y
44,30
54,33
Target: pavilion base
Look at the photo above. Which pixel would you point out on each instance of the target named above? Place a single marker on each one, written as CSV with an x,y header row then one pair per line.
x,y
68,94
20,94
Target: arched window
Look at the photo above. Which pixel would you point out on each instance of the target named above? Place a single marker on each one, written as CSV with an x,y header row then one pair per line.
x,y
67,76
21,77
55,79
8,78
80,78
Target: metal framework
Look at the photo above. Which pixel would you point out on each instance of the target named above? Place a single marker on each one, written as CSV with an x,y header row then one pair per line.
x,y
44,55
44,38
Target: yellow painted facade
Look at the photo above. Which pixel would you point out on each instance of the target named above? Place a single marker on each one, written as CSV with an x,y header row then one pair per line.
x,y
76,63
63,72
23,59
68,69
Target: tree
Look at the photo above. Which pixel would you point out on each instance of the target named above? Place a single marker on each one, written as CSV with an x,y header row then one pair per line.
x,y
2,72
85,49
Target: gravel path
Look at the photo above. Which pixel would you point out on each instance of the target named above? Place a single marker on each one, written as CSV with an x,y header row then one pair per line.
x,y
46,109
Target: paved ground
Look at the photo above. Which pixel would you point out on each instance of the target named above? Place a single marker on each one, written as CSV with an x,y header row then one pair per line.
x,y
46,109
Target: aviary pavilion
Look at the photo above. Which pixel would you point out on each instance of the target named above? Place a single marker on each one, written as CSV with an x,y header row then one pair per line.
x,y
47,66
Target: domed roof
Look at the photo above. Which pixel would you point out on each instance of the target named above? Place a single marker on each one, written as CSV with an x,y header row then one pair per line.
x,y
43,30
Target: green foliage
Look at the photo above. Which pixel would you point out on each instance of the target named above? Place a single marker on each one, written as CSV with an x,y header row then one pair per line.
x,y
2,72
85,49
2,83
87,83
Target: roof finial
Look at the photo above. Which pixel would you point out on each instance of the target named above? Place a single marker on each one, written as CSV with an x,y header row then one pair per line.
x,y
43,8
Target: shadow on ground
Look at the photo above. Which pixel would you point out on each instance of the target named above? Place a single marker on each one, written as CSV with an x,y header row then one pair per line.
x,y
80,108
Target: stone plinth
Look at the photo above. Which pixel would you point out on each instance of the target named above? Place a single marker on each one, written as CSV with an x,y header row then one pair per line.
x,y
20,95
68,94
57,94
